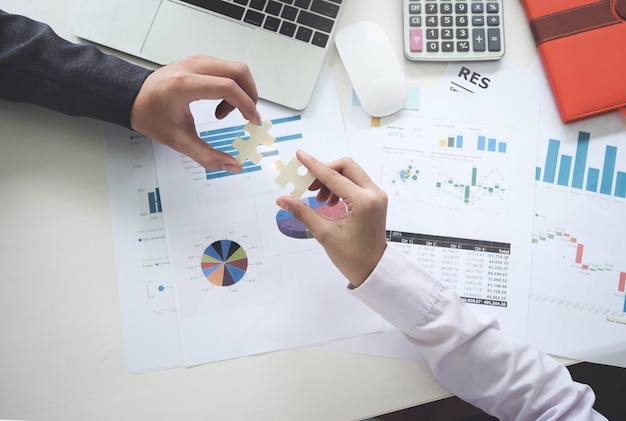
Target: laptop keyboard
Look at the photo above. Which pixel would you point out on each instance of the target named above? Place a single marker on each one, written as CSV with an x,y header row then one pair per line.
x,y
309,21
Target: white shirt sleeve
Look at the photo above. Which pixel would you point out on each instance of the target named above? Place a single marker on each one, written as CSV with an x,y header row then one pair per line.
x,y
468,353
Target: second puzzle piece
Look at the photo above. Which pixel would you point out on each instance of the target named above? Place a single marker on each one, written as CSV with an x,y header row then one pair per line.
x,y
289,173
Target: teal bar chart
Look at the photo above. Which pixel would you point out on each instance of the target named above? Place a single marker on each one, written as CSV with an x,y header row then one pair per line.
x,y
574,172
222,140
154,201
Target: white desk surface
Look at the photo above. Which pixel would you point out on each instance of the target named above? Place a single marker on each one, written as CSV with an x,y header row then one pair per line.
x,y
61,347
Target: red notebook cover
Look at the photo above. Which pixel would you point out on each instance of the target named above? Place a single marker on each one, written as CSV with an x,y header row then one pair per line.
x,y
582,44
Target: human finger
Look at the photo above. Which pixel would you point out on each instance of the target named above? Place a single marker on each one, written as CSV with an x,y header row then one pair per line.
x,y
313,221
237,82
233,96
233,70
340,177
206,156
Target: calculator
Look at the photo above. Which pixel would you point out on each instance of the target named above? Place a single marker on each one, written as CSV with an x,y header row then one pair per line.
x,y
453,30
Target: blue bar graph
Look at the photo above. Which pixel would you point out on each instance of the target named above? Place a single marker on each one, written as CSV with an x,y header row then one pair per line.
x,y
592,179
490,144
608,171
581,160
620,185
222,140
565,170
552,158
154,201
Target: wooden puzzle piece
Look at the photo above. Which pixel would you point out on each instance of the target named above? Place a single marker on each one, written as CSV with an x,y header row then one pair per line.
x,y
289,174
248,148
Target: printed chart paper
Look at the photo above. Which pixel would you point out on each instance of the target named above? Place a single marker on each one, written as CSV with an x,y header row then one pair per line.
x,y
456,173
577,305
146,290
577,302
247,280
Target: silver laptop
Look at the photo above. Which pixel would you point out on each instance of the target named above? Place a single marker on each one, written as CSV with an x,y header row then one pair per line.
x,y
284,42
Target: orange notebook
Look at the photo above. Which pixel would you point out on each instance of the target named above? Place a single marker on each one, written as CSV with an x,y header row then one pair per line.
x,y
582,44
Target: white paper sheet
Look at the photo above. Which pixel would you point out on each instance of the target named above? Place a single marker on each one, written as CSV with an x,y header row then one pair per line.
x,y
578,305
577,302
275,291
146,290
456,173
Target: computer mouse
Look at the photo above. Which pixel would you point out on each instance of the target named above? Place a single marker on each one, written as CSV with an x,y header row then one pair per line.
x,y
372,67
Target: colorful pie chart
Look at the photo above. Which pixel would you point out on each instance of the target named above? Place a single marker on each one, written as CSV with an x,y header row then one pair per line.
x,y
291,227
224,263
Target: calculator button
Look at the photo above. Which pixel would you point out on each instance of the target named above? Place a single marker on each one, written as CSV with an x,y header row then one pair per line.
x,y
432,47
415,21
415,9
478,20
463,46
493,8
432,34
478,37
493,20
478,8
431,9
432,21
494,39
417,41
446,9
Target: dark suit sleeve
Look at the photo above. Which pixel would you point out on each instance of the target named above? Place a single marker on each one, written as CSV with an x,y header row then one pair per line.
x,y
39,67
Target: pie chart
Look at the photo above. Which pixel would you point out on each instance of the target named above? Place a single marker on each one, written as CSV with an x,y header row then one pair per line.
x,y
224,263
291,227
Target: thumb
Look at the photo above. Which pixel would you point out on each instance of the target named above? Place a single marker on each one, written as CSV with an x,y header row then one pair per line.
x,y
313,221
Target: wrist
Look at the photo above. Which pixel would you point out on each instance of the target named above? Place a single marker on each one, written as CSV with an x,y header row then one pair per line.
x,y
368,266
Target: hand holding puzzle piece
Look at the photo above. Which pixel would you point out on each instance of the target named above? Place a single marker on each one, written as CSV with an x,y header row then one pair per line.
x,y
289,173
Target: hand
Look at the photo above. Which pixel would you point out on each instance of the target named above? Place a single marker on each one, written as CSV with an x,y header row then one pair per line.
x,y
161,109
356,241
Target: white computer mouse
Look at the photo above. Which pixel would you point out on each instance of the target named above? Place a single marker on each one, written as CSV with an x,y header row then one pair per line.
x,y
372,67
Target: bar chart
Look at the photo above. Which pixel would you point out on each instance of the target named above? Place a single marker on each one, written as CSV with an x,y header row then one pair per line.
x,y
222,140
483,143
154,201
470,189
560,240
574,172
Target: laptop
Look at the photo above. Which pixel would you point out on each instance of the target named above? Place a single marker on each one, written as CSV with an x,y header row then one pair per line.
x,y
284,42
